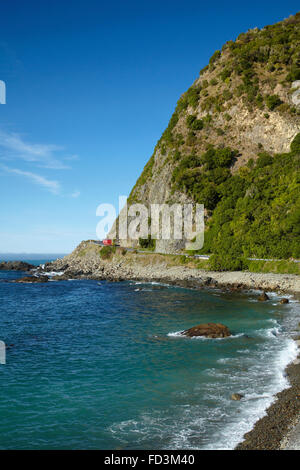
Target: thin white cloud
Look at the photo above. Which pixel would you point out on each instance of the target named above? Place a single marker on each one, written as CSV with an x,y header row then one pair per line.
x,y
50,185
71,157
14,147
75,194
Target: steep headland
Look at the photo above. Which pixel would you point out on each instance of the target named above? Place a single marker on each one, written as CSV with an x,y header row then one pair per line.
x,y
233,144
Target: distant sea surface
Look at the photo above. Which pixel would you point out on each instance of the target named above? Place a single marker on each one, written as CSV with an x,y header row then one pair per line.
x,y
99,365
32,258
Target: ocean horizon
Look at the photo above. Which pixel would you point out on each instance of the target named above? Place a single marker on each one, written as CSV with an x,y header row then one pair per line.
x,y
31,258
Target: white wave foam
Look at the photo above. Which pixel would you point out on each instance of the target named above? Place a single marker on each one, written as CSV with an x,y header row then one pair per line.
x,y
179,334
225,360
151,283
54,273
254,405
176,334
192,425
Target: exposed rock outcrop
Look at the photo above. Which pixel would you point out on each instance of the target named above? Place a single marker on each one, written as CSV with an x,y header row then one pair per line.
x,y
15,266
32,279
209,330
263,297
237,396
296,93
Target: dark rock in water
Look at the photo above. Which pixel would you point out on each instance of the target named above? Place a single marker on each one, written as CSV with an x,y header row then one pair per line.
x,y
63,277
33,279
284,301
209,330
263,297
236,396
15,266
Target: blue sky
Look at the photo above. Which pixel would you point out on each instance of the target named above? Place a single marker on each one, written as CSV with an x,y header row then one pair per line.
x,y
91,86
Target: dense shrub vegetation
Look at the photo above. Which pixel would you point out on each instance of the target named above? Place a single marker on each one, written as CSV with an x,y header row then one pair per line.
x,y
274,46
193,123
202,177
226,262
148,243
257,213
273,101
107,252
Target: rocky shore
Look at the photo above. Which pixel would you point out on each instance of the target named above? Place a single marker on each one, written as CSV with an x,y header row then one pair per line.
x,y
277,430
86,262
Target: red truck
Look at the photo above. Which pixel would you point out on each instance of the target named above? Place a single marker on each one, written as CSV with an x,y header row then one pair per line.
x,y
107,242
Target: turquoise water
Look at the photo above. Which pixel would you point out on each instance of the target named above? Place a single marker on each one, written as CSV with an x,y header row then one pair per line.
x,y
98,365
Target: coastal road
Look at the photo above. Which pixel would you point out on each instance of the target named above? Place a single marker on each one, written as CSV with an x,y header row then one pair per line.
x,y
205,257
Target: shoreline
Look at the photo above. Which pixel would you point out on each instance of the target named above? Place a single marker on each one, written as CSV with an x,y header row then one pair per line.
x,y
189,278
88,262
279,428
241,281
275,430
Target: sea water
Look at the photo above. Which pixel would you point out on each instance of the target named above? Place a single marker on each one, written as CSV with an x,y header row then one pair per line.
x,y
99,365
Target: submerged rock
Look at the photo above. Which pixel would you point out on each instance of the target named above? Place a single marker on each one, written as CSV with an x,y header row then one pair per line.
x,y
284,301
263,297
236,396
209,330
33,279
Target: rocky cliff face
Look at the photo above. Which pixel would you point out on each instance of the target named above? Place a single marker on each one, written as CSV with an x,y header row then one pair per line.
x,y
247,101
